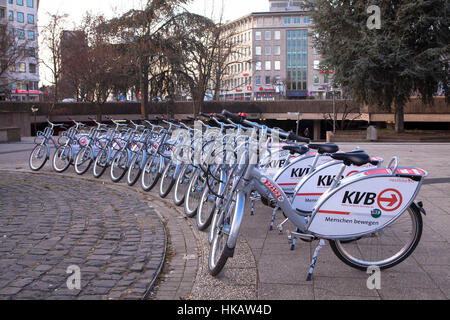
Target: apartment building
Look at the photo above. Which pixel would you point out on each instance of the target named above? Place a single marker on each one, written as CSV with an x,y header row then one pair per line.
x,y
20,81
274,56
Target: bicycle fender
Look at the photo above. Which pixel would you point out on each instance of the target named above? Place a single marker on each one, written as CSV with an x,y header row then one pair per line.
x,y
237,220
365,202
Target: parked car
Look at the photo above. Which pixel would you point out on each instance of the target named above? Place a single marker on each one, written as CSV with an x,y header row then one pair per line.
x,y
69,100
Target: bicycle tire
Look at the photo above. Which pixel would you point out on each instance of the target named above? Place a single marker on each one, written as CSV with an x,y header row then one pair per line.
x,y
98,169
118,162
138,157
82,154
343,254
179,193
151,169
41,151
65,151
166,184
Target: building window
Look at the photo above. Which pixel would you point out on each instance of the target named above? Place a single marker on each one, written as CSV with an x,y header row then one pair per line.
x,y
258,51
267,79
19,2
20,33
12,68
326,78
277,35
307,20
22,67
2,13
11,15
258,79
277,50
20,17
31,35
277,65
268,51
10,1
287,20
297,20
258,65
316,79
257,35
268,35
268,65
32,68
30,3
30,18
31,52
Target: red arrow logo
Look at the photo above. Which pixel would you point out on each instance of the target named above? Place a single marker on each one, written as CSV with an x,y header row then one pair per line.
x,y
393,200
392,197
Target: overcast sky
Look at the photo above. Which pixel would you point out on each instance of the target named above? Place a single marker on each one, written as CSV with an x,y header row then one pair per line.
x,y
232,9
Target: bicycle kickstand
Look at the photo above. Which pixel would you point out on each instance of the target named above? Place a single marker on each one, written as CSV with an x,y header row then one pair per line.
x,y
314,259
280,226
272,221
253,197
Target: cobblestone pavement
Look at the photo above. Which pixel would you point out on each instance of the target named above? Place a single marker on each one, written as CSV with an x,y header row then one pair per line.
x,y
264,267
49,223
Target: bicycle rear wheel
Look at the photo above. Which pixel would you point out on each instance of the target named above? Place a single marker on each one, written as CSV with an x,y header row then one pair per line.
x,y
38,157
385,248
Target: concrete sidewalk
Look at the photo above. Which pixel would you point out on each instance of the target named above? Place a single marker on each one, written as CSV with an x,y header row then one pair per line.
x,y
265,268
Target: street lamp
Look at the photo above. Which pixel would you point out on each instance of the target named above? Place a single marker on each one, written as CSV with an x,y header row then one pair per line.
x,y
334,111
34,109
298,114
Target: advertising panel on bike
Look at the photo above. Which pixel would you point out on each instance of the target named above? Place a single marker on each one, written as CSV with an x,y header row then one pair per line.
x,y
290,176
314,185
364,203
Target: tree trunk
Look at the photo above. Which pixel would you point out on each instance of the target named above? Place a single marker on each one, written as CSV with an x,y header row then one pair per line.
x,y
143,83
399,118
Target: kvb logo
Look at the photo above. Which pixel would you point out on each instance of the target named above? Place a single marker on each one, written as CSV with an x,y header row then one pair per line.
x,y
388,200
326,181
277,163
367,198
299,172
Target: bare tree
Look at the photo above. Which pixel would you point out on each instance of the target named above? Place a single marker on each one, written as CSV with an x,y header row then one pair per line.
x,y
51,40
140,30
348,115
12,49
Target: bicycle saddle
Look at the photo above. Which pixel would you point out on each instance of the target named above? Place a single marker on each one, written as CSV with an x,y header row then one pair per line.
x,y
324,148
296,149
353,158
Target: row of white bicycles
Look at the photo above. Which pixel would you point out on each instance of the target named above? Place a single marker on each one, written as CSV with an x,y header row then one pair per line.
x,y
366,211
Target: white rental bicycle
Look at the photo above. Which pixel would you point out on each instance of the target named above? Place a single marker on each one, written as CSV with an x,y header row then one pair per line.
x,y
370,217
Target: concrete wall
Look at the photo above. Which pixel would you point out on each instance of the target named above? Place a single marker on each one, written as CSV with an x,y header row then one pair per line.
x,y
16,119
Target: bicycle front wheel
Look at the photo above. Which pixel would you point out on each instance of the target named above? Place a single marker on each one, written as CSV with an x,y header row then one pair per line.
x,y
83,160
150,175
62,158
119,166
219,250
181,184
38,157
134,171
193,194
385,248
101,163
167,180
